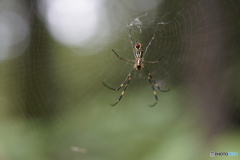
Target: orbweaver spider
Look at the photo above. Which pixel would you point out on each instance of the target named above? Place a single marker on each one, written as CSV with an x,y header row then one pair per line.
x,y
138,65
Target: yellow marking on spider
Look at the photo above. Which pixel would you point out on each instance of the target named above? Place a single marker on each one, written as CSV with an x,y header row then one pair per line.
x,y
121,85
122,92
154,92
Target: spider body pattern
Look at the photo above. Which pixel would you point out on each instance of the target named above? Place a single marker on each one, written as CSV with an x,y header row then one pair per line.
x,y
139,62
138,65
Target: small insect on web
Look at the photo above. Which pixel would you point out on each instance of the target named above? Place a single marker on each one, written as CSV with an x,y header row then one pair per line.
x,y
138,65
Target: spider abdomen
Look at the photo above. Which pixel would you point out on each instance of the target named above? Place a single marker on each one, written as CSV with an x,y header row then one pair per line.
x,y
138,65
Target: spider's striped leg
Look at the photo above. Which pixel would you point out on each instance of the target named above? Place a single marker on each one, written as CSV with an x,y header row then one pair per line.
x,y
127,60
120,86
155,61
130,38
127,81
159,87
161,90
151,83
117,87
150,42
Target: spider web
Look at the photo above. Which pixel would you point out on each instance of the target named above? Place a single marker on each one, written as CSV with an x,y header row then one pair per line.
x,y
53,103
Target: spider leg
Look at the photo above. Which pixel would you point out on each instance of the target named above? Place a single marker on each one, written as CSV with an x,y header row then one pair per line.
x,y
161,90
149,44
120,86
151,83
130,38
128,60
154,61
126,82
151,40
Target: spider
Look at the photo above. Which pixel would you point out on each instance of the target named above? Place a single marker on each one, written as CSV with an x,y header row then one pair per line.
x,y
138,65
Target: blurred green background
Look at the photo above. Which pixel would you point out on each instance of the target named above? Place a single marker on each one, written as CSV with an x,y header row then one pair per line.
x,y
54,56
